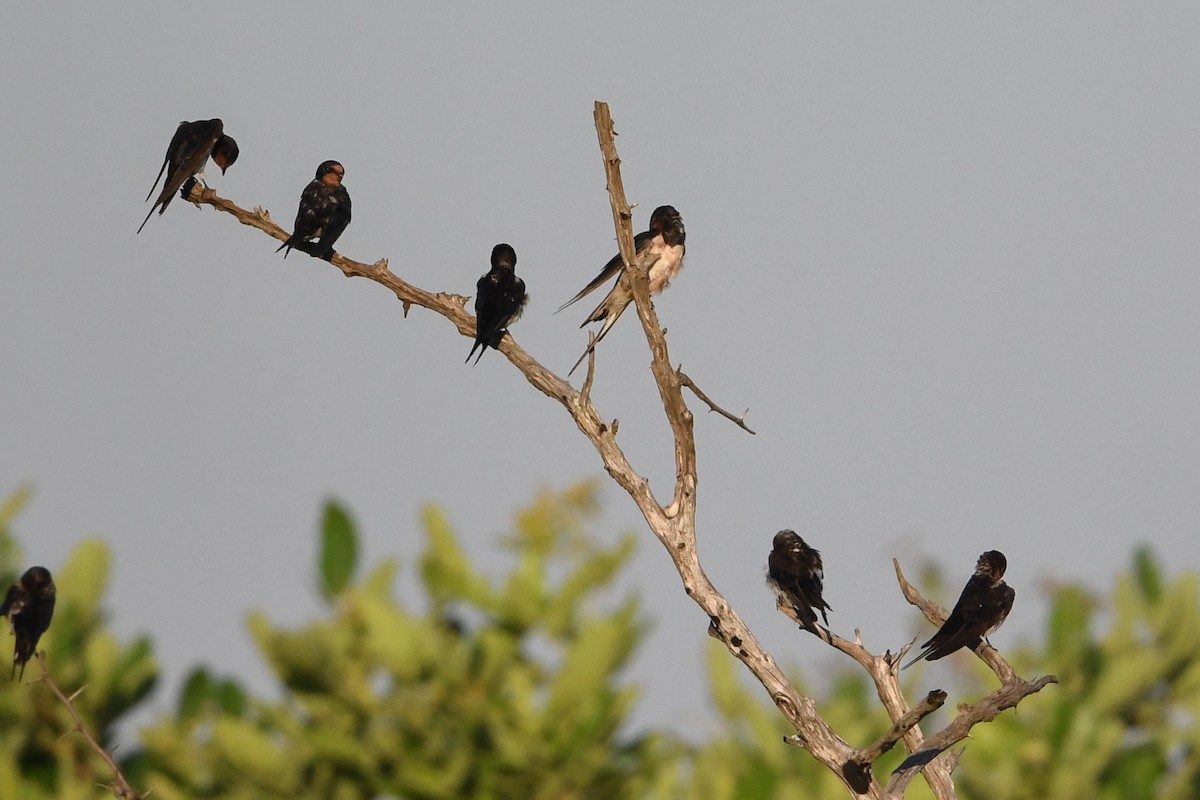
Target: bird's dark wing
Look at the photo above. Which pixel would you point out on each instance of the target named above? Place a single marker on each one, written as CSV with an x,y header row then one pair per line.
x,y
974,614
339,218
309,218
186,154
613,267
516,300
499,300
10,597
489,307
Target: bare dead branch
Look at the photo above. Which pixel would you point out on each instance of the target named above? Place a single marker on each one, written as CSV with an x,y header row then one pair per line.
x,y
932,702
120,786
884,671
675,525
689,383
986,710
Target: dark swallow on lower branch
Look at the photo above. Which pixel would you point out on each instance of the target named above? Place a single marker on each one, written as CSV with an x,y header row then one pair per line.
x,y
661,249
795,572
981,608
187,154
323,214
499,299
28,605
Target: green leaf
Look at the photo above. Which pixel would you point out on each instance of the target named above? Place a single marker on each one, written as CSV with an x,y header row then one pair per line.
x,y
84,579
339,550
13,504
1149,576
197,690
231,697
253,753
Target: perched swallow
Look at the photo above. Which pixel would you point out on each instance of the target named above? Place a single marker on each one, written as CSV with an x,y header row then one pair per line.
x,y
794,571
28,606
499,298
324,213
187,155
981,608
662,248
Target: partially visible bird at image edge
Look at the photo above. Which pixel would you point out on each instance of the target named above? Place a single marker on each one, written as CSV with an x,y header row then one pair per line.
x,y
28,606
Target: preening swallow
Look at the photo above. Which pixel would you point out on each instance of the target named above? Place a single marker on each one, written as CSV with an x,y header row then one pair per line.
x,y
794,571
661,248
188,152
29,605
981,608
499,299
324,213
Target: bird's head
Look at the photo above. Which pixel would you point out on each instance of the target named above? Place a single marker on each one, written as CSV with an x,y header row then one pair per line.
x,y
503,255
666,222
993,564
37,582
225,152
331,173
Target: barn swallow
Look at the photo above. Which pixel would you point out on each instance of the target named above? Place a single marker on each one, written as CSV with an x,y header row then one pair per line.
x,y
324,213
499,298
981,608
662,248
794,571
28,605
188,152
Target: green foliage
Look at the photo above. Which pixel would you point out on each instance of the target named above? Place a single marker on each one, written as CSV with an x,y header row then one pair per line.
x,y
36,761
506,683
502,687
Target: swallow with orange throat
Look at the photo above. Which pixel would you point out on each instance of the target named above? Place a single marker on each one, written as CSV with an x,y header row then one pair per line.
x,y
795,572
499,300
323,214
187,154
661,248
981,608
28,605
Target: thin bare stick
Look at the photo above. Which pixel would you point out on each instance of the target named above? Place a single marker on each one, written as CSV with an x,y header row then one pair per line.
x,y
586,392
689,383
120,787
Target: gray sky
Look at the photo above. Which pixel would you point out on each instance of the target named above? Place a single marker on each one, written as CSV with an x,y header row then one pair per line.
x,y
947,255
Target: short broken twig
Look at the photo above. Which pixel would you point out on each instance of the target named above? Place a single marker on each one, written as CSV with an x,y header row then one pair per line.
x,y
684,380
